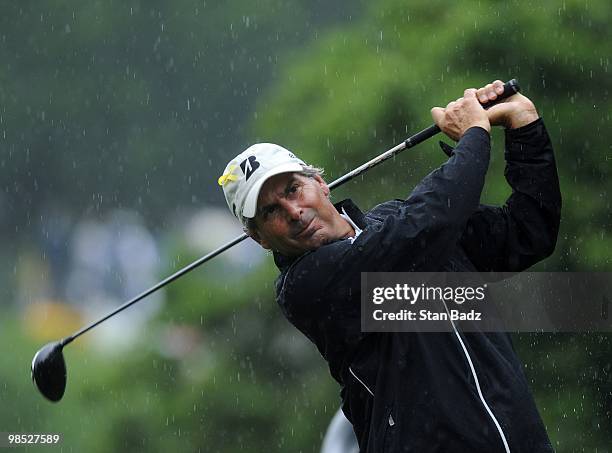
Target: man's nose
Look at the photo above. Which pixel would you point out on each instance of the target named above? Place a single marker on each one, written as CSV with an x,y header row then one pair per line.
x,y
292,210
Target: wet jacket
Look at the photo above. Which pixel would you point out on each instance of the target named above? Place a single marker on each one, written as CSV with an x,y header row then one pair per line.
x,y
433,392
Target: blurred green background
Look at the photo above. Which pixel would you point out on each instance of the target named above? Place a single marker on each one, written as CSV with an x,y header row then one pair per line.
x,y
116,118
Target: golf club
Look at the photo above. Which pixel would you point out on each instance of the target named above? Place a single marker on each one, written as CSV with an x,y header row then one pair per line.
x,y
48,365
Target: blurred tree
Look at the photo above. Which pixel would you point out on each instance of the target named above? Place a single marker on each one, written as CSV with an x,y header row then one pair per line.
x,y
134,104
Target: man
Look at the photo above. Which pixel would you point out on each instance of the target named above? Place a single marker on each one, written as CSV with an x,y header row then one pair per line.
x,y
408,392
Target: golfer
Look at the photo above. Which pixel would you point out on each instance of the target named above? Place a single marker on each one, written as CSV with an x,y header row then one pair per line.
x,y
412,392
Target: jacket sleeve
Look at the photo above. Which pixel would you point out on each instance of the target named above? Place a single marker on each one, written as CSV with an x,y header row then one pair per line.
x,y
513,237
426,227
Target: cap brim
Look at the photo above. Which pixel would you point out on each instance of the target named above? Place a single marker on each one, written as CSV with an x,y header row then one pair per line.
x,y
250,202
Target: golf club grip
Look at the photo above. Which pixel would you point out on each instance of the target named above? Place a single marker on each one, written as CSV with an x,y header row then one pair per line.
x,y
511,87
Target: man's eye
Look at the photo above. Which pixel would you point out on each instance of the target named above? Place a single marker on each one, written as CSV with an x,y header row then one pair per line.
x,y
293,188
268,211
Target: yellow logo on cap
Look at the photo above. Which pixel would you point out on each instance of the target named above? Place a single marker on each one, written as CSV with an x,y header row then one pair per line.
x,y
223,180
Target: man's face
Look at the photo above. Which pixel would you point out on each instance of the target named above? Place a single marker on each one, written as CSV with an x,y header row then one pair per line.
x,y
294,215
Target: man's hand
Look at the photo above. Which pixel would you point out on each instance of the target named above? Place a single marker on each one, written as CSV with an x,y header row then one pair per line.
x,y
513,112
462,114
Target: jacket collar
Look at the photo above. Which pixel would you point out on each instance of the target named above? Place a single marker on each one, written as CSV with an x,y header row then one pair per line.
x,y
283,262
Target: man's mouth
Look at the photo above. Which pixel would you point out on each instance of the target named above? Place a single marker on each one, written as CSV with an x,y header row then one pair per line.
x,y
307,231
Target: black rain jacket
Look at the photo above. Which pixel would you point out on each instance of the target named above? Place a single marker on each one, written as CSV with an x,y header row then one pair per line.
x,y
433,392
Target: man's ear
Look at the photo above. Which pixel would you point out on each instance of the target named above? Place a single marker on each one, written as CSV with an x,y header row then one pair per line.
x,y
255,236
323,184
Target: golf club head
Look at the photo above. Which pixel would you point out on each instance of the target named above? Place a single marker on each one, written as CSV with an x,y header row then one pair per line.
x,y
49,371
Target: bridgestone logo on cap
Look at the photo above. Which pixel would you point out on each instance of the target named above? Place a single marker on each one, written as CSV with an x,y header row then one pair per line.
x,y
249,166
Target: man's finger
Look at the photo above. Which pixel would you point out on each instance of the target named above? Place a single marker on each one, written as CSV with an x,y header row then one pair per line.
x,y
437,113
490,92
482,96
498,86
469,93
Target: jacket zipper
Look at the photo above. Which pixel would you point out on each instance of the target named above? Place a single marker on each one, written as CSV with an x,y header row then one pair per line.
x,y
481,396
360,381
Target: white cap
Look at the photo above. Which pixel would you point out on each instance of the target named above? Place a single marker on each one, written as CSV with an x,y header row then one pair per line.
x,y
246,173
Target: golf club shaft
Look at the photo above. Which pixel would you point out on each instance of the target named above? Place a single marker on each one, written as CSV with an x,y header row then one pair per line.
x,y
510,88
158,286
